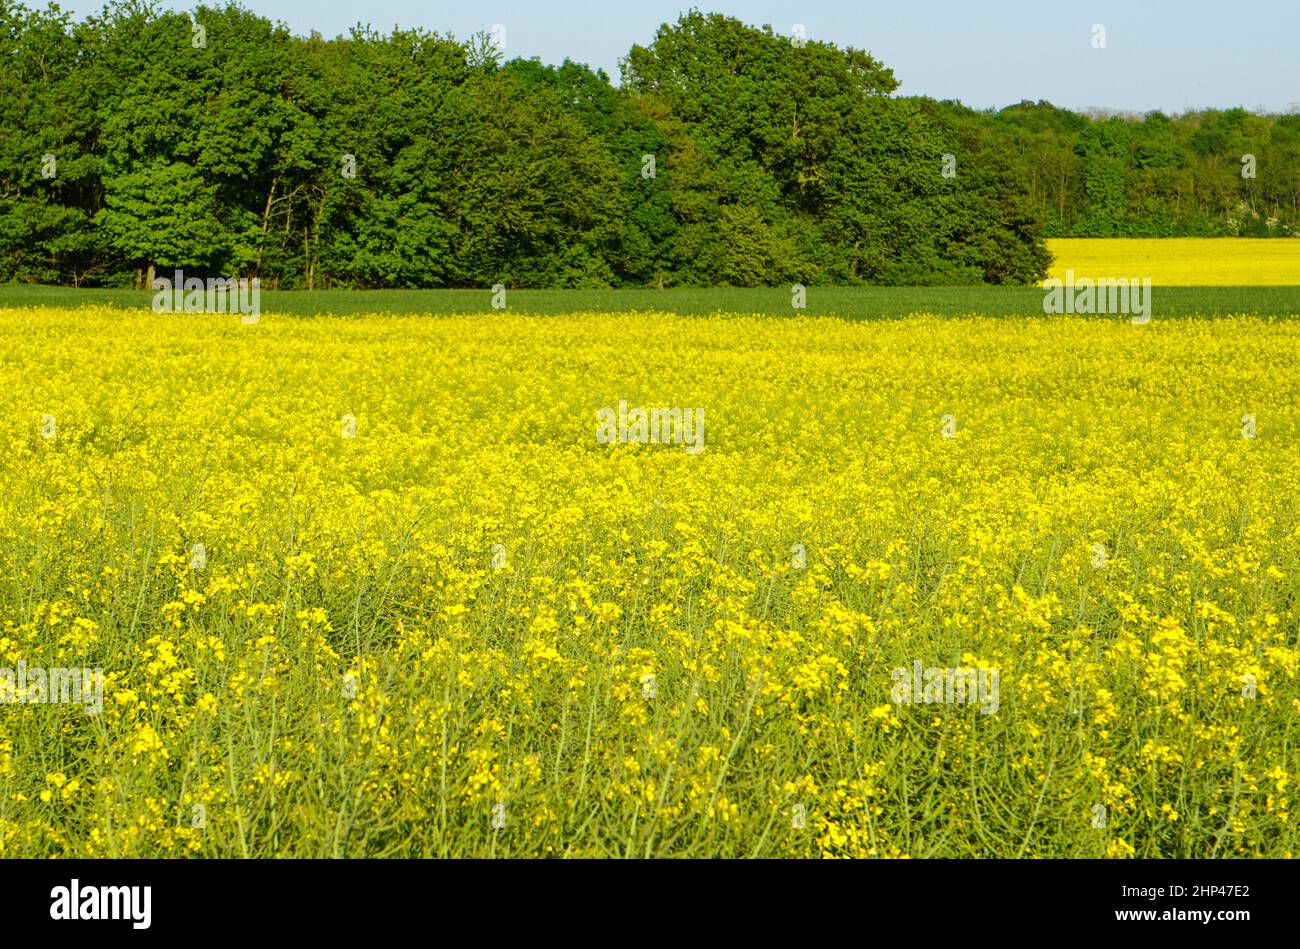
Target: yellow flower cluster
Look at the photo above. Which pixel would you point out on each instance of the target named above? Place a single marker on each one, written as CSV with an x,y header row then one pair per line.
x,y
468,627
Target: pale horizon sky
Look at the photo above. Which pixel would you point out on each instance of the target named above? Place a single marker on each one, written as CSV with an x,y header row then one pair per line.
x,y
1160,54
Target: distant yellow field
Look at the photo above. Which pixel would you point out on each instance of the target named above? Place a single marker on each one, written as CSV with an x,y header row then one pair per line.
x,y
1181,261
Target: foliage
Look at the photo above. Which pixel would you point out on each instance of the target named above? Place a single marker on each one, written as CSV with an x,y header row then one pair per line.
x,y
729,156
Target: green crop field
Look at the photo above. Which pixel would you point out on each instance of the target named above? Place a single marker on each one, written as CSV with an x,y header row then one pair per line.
x,y
857,303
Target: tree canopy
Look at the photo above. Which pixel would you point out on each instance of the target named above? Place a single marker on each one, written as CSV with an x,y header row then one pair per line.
x,y
218,142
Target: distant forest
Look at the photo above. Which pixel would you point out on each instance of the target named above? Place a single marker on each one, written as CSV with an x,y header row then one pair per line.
x,y
141,140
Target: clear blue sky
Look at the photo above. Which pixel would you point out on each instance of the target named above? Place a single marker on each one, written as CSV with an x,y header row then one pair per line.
x,y
1160,54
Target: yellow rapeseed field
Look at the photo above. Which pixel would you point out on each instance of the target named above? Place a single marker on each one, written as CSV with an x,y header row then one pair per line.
x,y
1179,261
375,587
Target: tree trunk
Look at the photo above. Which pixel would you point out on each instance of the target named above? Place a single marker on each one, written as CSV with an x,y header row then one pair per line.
x,y
266,223
306,253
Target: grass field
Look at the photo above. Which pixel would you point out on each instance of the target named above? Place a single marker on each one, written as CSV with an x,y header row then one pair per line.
x,y
377,587
1182,262
855,303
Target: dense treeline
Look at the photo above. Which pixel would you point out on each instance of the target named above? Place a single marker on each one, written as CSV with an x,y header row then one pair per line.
x,y
217,142
1229,173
